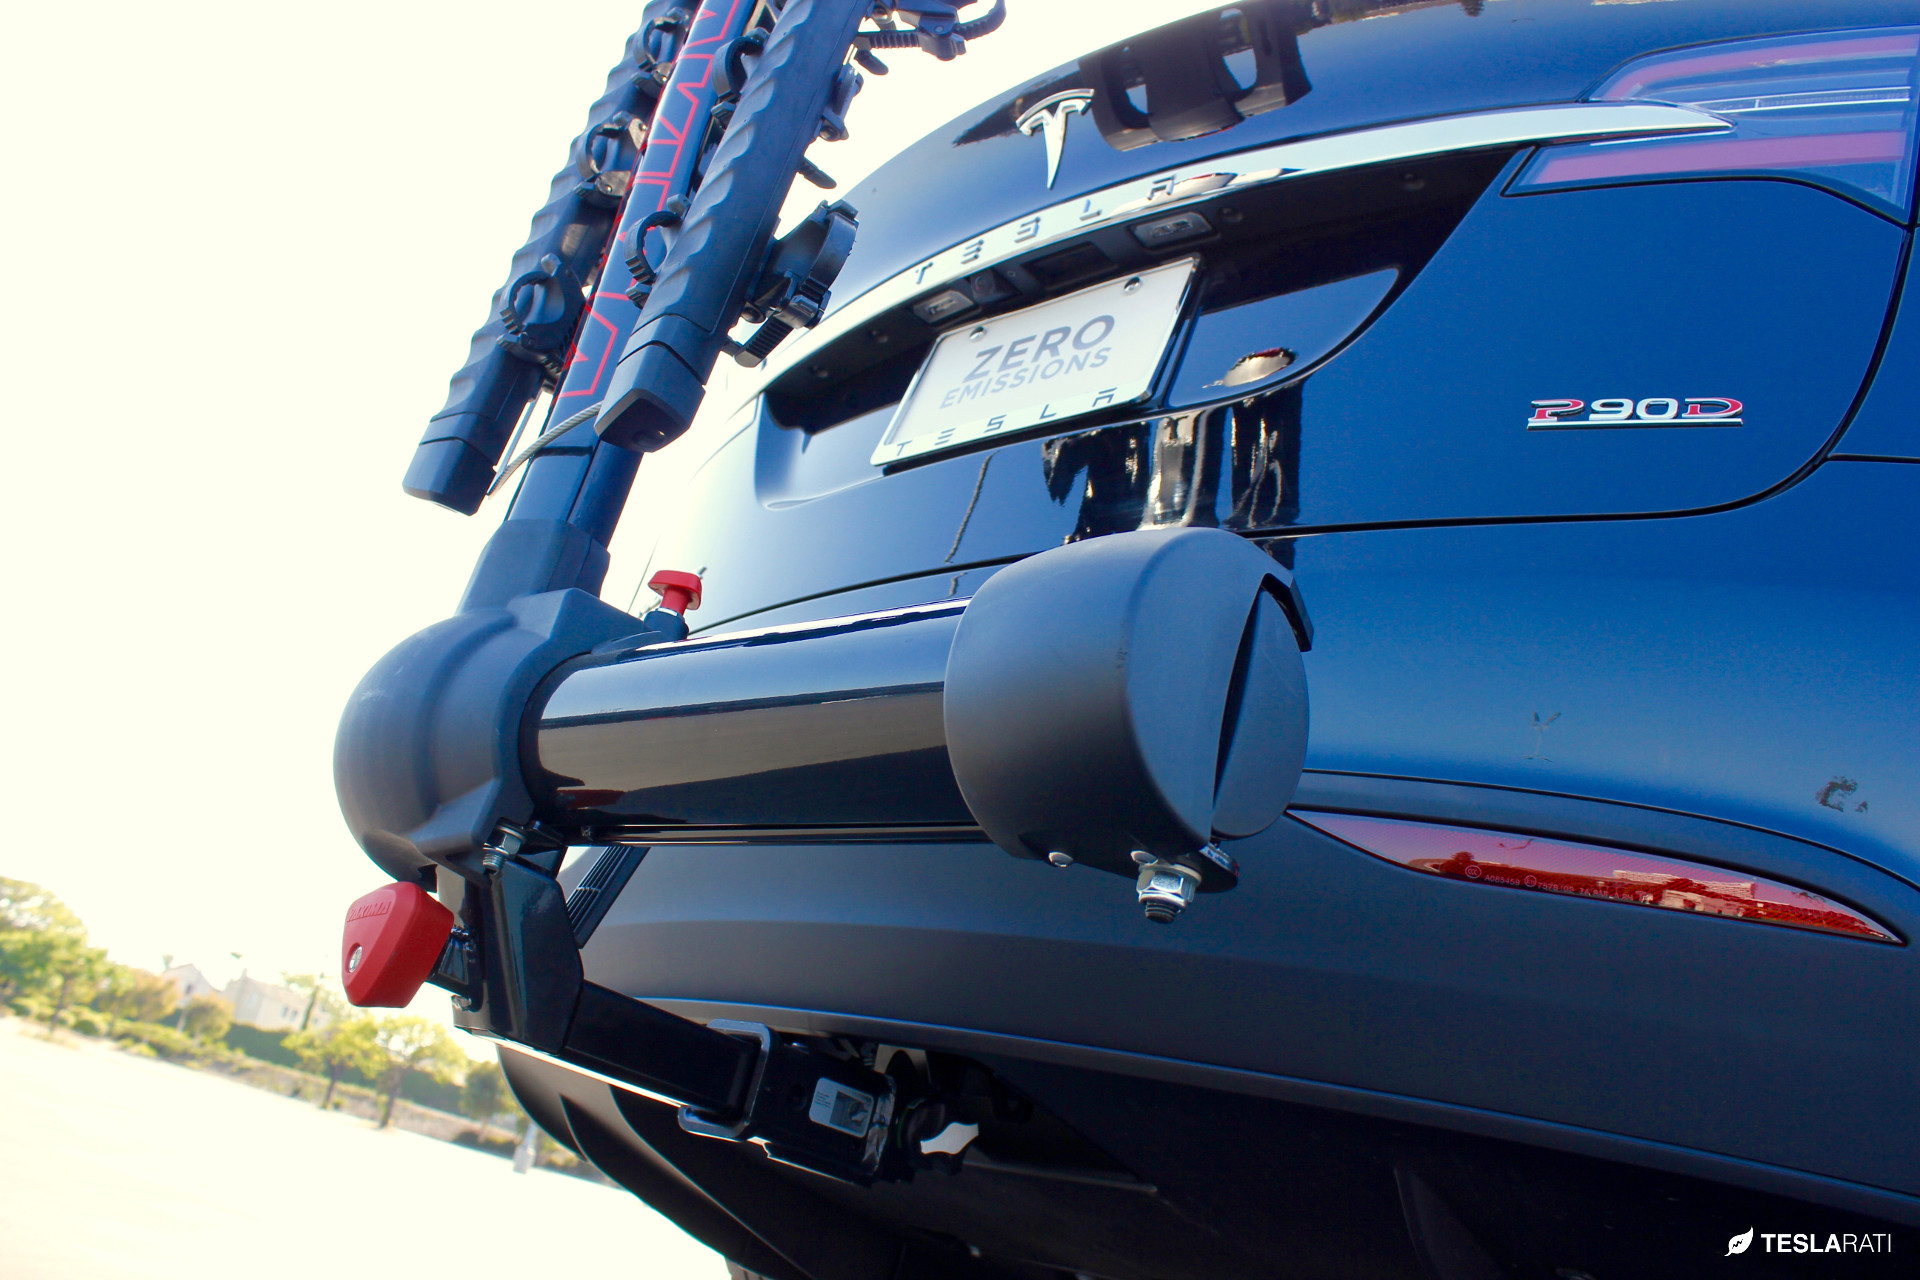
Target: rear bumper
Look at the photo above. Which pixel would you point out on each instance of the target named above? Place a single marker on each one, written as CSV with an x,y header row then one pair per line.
x,y
1752,1055
1588,1084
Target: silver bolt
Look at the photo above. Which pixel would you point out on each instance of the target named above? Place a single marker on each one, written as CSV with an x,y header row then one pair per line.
x,y
354,957
1131,286
1142,857
503,844
1166,889
978,332
1059,859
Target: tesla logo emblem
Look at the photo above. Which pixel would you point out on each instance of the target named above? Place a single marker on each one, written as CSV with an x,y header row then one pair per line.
x,y
1049,117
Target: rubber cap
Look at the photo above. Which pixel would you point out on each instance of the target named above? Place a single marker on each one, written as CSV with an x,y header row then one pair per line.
x,y
393,937
679,591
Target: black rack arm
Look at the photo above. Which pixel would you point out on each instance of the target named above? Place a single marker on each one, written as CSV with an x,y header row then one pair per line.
x,y
429,759
708,274
531,319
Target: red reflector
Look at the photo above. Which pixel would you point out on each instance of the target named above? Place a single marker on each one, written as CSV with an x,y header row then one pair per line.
x,y
393,937
1592,871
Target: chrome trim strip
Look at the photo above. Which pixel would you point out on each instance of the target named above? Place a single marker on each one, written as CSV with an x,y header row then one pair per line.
x,y
876,618
1204,179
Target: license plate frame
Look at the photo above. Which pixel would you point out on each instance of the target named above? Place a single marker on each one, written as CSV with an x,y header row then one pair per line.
x,y
1097,348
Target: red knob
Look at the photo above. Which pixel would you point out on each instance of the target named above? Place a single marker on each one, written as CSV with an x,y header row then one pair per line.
x,y
393,937
679,591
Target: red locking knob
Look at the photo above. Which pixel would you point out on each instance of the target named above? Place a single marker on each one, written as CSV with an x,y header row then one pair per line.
x,y
679,591
393,937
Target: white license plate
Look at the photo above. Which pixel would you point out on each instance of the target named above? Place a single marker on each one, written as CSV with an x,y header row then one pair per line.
x,y
1095,349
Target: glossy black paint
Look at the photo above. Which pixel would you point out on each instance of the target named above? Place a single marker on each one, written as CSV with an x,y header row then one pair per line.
x,y
1733,664
825,726
1421,418
1272,250
1742,660
1335,971
1888,423
1427,59
1313,321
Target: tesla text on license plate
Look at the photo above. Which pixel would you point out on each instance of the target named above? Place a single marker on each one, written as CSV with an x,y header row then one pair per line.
x,y
1094,349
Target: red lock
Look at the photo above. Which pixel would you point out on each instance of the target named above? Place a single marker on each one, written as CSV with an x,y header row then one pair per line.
x,y
393,938
679,590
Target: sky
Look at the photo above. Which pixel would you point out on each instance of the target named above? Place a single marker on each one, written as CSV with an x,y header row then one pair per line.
x,y
247,246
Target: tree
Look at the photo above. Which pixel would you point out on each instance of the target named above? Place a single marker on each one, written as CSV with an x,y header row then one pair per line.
x,y
28,906
76,966
112,986
207,1018
40,940
324,999
127,994
485,1094
414,1044
348,1044
43,949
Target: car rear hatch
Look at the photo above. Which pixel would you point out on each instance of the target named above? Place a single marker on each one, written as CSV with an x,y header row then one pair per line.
x,y
1456,299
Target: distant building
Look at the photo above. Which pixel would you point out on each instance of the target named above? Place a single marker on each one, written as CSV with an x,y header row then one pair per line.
x,y
269,1006
189,981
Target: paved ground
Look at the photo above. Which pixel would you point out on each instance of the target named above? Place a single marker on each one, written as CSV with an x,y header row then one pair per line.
x,y
113,1166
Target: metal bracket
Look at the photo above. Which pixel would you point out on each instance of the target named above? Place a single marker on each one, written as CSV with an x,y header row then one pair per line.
x,y
664,218
794,287
807,1109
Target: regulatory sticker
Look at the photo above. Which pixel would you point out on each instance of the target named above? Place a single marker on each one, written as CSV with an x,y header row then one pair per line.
x,y
1654,411
838,1107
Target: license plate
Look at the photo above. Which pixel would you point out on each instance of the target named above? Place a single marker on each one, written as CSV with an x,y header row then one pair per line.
x,y
1095,349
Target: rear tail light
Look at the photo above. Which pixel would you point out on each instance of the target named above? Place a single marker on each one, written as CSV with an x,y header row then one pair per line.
x,y
1541,865
1835,109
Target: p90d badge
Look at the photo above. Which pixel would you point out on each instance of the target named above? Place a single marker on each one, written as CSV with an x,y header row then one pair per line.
x,y
1654,411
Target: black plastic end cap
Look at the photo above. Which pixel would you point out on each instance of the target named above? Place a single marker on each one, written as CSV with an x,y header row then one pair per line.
x,y
450,473
1137,692
427,760
652,400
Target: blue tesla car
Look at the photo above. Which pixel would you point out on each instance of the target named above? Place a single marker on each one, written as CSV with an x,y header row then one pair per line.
x,y
1546,374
